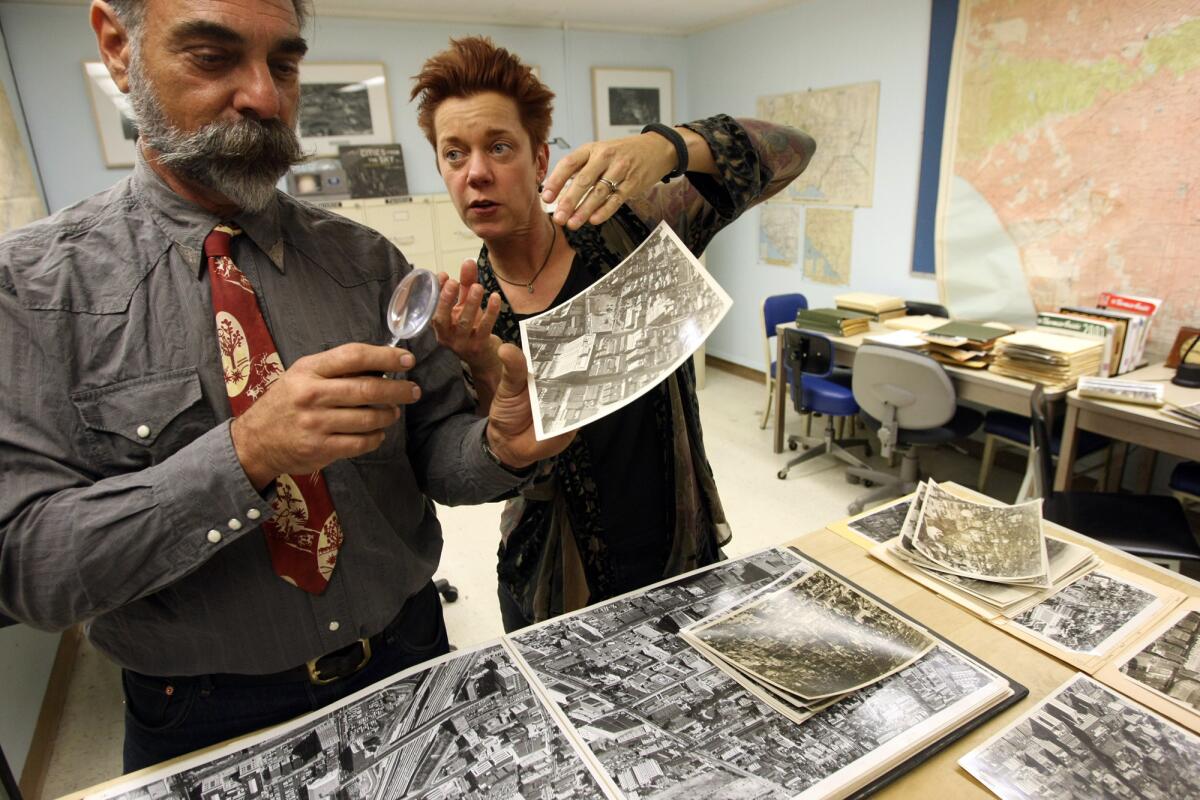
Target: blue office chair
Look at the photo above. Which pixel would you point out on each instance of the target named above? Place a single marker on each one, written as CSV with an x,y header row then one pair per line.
x,y
1004,427
776,310
909,401
1153,527
809,369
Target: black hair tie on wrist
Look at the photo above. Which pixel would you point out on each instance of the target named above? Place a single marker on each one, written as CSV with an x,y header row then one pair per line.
x,y
681,153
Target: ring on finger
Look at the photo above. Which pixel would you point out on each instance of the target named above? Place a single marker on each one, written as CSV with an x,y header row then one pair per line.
x,y
612,185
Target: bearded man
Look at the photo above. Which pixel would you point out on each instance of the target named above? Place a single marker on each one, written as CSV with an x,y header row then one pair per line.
x,y
199,458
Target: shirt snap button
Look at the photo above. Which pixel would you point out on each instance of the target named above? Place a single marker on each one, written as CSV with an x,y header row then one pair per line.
x,y
143,431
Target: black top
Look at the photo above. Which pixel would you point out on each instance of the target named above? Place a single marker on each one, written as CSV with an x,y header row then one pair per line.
x,y
631,489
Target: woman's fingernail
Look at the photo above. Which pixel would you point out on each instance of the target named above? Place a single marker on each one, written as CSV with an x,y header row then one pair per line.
x,y
416,393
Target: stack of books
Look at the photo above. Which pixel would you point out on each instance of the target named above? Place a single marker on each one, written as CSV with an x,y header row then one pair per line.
x,y
1124,320
879,306
1051,359
963,344
998,555
833,321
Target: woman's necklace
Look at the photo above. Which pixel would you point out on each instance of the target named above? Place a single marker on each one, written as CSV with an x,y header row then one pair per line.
x,y
529,284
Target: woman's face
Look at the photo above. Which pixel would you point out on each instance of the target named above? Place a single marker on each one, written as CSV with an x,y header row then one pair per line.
x,y
488,163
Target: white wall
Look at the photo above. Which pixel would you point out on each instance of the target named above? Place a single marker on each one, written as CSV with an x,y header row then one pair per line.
x,y
48,44
813,45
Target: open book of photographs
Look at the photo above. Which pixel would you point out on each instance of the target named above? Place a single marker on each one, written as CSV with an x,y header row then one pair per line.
x,y
636,692
471,720
1087,741
1096,613
1003,544
815,638
620,337
880,524
1162,667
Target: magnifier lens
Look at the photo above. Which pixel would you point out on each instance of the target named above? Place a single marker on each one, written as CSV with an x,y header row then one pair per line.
x,y
412,305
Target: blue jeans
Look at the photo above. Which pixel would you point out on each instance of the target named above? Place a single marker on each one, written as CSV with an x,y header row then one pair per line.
x,y
204,710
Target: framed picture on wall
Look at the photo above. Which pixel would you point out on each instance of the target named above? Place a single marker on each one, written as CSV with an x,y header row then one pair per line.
x,y
342,104
626,100
113,115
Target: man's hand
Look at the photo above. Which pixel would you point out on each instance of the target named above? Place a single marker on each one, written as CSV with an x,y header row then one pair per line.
x,y
464,325
510,422
327,406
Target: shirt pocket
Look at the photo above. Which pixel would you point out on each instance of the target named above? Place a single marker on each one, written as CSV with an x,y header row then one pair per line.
x,y
136,423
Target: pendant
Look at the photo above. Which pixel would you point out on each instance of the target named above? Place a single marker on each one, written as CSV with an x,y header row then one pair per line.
x,y
529,286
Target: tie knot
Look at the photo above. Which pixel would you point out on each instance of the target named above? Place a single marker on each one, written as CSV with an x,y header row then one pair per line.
x,y
216,244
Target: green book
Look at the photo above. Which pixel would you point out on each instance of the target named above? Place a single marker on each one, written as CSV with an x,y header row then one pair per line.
x,y
972,331
831,314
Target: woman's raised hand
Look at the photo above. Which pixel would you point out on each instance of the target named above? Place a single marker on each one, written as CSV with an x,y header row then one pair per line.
x,y
592,182
465,325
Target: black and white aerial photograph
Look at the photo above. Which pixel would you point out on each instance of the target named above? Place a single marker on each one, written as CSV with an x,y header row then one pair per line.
x,y
1086,741
470,726
1090,616
613,342
815,638
1170,665
335,109
999,543
883,524
665,723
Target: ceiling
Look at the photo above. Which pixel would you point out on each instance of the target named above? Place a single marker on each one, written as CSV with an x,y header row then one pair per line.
x,y
676,17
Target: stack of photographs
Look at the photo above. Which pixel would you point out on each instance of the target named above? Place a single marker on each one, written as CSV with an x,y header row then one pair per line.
x,y
994,559
804,643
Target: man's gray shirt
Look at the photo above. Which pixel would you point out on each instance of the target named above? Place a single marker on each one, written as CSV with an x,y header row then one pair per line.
x,y
122,501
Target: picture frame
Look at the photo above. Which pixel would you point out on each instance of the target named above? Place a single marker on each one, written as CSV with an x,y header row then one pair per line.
x,y
1186,338
626,100
342,103
113,115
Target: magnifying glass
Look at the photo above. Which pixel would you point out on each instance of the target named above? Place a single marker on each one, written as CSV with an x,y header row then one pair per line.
x,y
412,305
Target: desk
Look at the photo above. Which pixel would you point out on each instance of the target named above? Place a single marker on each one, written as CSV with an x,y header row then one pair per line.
x,y
979,386
1130,423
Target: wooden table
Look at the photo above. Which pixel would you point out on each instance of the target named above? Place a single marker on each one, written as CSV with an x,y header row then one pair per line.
x,y
1135,424
979,386
1037,670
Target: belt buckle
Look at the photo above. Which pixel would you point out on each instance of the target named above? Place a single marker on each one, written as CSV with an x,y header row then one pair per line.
x,y
314,673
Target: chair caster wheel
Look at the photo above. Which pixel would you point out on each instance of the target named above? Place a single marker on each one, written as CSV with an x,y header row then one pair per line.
x,y
868,484
805,446
792,445
854,480
854,507
782,474
450,595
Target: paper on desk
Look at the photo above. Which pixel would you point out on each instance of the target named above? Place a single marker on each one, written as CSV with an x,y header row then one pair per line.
x,y
900,338
620,337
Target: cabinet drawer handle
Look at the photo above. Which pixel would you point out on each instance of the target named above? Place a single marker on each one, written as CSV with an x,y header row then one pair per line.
x,y
400,216
403,239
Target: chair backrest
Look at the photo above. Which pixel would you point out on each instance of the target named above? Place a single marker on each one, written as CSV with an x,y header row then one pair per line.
x,y
903,388
806,353
915,308
1040,439
776,310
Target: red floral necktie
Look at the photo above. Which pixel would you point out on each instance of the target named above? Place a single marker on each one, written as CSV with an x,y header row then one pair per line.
x,y
303,534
